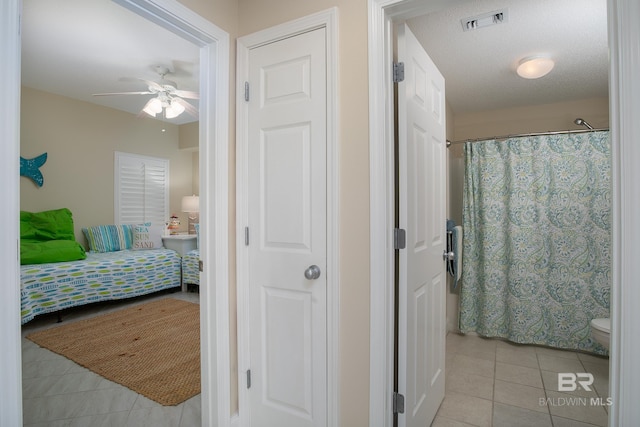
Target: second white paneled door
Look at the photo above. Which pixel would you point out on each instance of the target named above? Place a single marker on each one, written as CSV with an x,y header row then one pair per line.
x,y
422,192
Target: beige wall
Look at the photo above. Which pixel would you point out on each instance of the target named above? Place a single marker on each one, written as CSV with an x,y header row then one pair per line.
x,y
80,139
354,184
189,140
540,118
485,124
188,136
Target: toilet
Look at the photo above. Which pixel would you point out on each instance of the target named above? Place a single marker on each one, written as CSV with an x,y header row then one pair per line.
x,y
600,330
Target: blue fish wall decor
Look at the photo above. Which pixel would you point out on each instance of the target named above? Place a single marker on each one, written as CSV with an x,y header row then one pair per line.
x,y
31,168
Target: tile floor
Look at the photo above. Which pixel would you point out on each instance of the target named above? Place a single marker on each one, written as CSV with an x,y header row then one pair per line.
x,y
57,392
497,383
488,383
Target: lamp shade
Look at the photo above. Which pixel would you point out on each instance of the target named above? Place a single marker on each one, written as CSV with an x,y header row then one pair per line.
x,y
191,204
173,110
153,107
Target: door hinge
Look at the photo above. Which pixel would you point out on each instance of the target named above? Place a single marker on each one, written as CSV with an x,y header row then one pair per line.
x,y
399,238
246,91
398,403
398,72
200,266
248,378
246,236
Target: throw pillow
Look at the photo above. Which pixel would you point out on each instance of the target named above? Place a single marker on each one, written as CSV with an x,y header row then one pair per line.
x,y
147,236
108,238
54,224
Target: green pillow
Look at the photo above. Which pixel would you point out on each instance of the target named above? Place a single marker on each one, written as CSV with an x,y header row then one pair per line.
x,y
47,225
32,252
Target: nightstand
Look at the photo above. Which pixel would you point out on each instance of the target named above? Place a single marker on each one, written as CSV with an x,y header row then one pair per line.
x,y
181,243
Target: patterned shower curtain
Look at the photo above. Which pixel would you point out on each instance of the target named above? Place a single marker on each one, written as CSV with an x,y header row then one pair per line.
x,y
537,239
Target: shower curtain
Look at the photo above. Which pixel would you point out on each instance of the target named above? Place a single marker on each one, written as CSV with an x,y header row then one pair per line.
x,y
537,239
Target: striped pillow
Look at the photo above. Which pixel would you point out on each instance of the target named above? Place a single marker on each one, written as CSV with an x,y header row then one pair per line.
x,y
108,238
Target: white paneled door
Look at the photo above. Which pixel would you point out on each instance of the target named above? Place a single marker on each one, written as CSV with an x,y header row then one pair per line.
x,y
422,281
287,232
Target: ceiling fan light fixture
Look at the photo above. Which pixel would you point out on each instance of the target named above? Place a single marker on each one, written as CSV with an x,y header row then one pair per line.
x,y
534,67
173,110
153,107
167,101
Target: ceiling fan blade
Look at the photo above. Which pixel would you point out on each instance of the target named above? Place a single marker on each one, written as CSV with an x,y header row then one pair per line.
x,y
188,107
186,94
153,85
124,93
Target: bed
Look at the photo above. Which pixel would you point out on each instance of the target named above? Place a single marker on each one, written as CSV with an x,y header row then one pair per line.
x,y
124,261
191,268
50,287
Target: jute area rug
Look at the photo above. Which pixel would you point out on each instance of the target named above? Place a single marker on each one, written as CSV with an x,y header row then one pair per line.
x,y
152,349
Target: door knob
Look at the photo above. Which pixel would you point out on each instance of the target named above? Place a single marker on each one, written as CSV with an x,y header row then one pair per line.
x,y
312,273
448,256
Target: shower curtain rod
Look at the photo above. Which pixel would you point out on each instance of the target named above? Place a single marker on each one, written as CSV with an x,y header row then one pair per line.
x,y
559,132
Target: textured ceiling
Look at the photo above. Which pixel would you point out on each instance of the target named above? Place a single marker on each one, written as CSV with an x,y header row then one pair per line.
x,y
76,48
479,65
79,47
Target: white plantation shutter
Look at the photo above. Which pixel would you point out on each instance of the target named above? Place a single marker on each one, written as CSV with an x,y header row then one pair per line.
x,y
141,190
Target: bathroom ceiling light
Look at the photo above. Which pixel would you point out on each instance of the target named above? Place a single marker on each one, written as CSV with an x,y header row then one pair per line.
x,y
534,67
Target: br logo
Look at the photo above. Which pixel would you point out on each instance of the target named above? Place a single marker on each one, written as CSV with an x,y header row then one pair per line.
x,y
569,382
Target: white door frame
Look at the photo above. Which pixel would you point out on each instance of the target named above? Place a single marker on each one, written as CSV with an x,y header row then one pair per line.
x,y
11,354
624,101
329,20
213,146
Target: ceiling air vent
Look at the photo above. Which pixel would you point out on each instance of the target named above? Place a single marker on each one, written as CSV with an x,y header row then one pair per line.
x,y
484,20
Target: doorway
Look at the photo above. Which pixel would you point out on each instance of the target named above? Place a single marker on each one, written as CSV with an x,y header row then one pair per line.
x,y
381,16
214,57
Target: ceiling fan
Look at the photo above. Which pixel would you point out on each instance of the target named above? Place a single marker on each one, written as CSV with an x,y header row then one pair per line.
x,y
168,100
